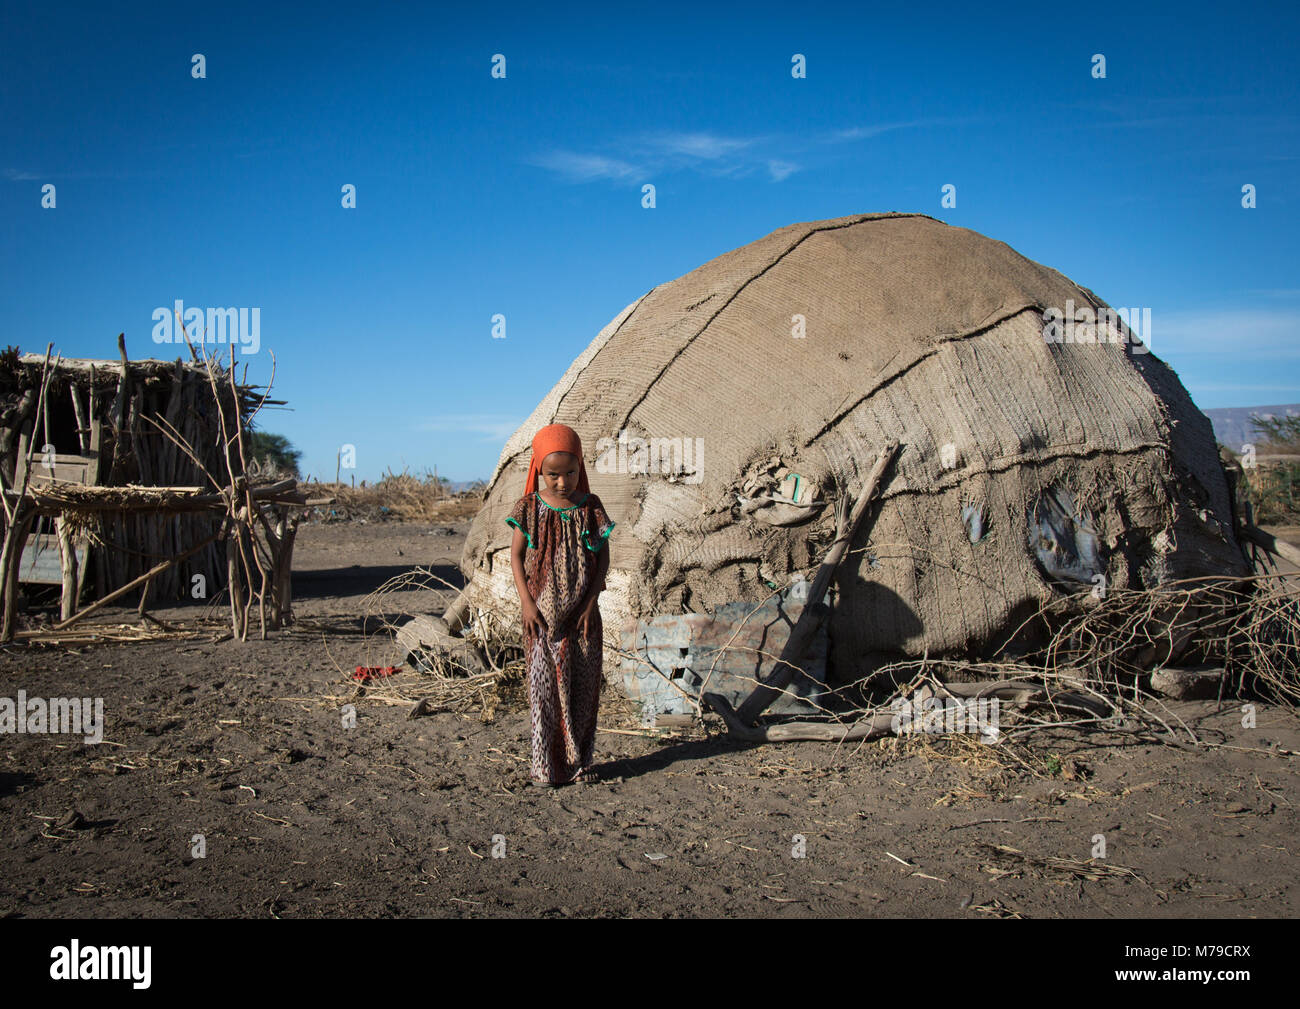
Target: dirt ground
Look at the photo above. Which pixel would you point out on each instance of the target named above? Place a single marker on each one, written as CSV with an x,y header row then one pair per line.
x,y
303,817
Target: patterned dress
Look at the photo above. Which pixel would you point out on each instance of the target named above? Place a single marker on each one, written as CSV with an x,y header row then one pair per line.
x,y
564,666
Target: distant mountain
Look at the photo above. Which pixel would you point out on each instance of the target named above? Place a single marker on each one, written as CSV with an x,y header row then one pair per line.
x,y
1232,426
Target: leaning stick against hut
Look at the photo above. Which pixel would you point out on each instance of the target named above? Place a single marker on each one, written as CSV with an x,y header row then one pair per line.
x,y
810,619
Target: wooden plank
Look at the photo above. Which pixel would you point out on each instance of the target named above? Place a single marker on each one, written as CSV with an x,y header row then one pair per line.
x,y
20,458
70,468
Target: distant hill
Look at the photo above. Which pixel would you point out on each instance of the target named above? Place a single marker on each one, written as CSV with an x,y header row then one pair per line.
x,y
1232,426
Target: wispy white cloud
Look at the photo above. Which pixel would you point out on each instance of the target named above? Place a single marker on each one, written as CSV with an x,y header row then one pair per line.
x,y
876,129
486,426
586,167
708,153
649,154
702,146
867,132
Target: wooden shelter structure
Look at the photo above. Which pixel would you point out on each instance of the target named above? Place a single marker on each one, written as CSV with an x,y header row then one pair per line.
x,y
132,474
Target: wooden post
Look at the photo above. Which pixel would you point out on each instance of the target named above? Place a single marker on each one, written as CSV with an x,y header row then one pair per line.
x,y
68,561
286,527
83,432
232,583
285,573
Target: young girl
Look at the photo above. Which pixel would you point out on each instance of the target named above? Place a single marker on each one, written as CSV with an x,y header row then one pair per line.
x,y
560,561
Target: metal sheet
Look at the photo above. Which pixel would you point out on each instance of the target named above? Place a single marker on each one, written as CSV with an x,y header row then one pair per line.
x,y
41,563
678,655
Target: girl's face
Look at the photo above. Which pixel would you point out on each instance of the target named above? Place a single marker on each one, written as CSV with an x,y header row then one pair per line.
x,y
560,471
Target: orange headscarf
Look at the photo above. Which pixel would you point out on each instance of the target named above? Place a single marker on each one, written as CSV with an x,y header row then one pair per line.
x,y
556,438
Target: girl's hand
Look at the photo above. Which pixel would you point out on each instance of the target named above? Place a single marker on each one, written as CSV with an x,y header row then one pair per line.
x,y
585,618
534,622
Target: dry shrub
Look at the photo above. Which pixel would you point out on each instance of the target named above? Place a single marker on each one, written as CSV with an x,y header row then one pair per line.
x,y
403,497
1249,626
1273,488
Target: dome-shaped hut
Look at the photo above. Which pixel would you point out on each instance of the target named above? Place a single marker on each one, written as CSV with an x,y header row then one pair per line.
x,y
727,414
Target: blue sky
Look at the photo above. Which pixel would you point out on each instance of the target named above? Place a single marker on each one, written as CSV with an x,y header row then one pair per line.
x,y
522,196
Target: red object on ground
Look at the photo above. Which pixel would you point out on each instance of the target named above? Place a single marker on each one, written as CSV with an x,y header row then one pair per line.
x,y
365,673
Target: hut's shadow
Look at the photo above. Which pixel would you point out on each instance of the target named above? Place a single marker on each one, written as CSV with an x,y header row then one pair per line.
x,y
357,580
694,749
